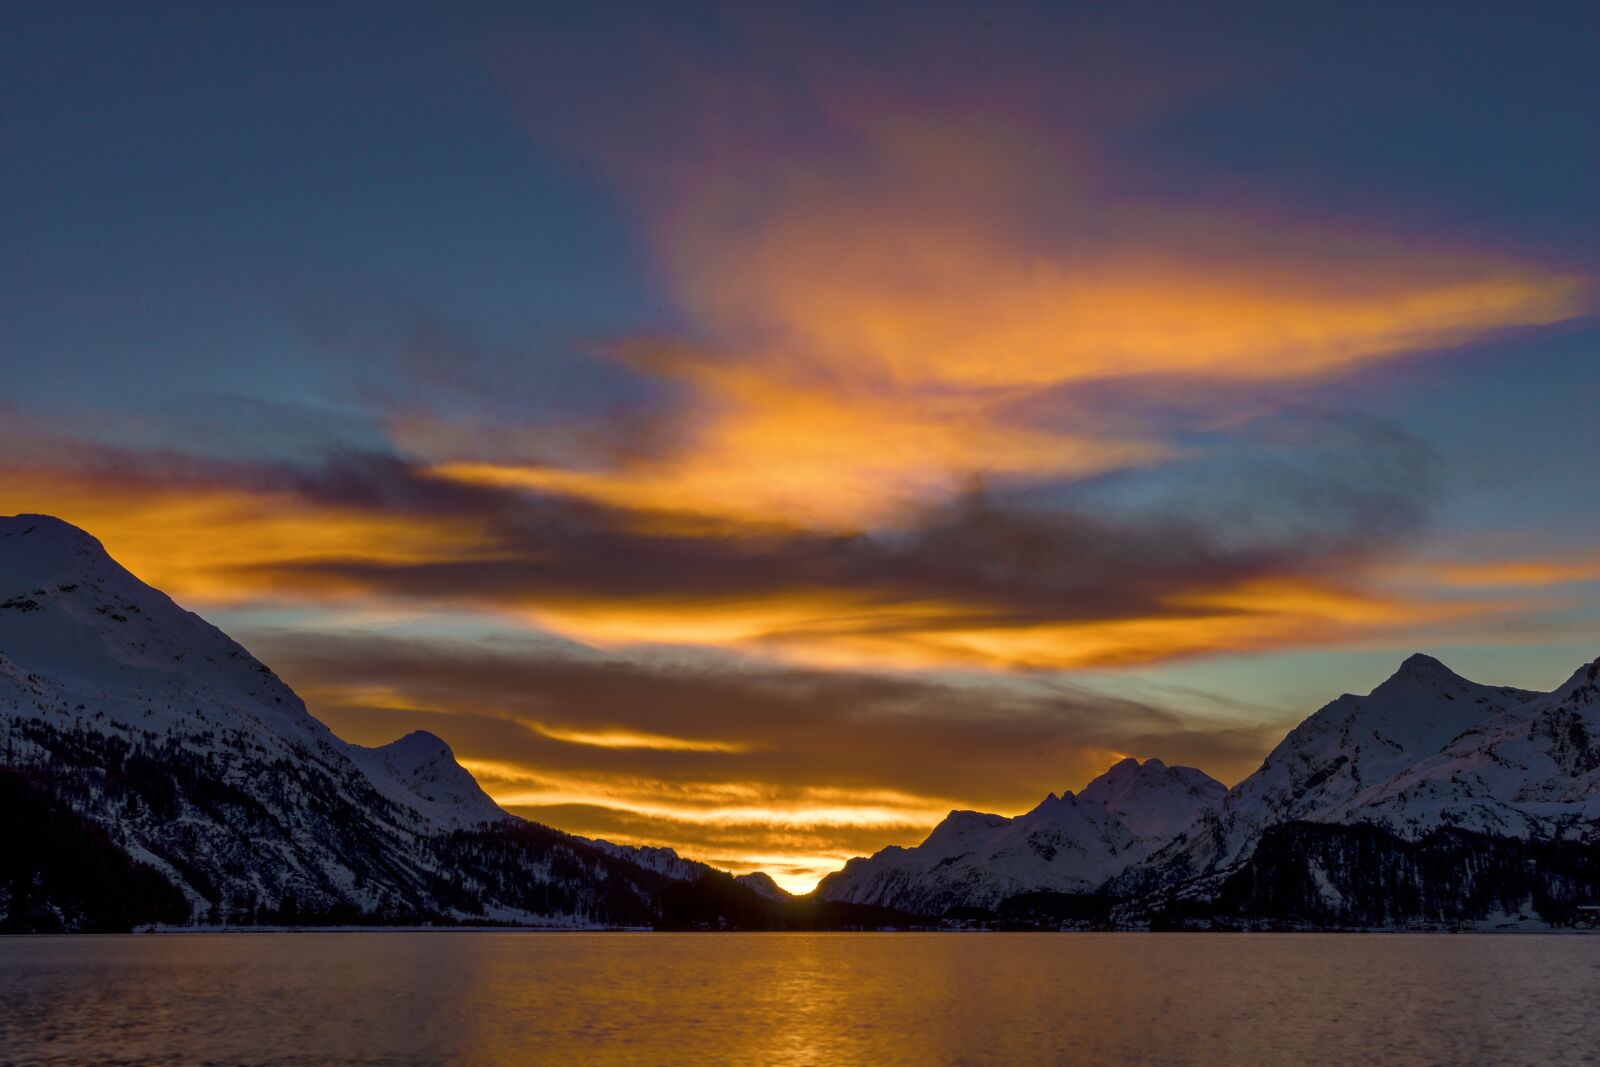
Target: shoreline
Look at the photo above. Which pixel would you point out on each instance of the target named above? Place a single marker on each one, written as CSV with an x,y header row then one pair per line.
x,y
182,931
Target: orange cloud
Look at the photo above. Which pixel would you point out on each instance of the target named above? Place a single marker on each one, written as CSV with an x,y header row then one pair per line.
x,y
762,448
1525,572
835,629
768,591
635,739
871,329
797,835
212,542
926,302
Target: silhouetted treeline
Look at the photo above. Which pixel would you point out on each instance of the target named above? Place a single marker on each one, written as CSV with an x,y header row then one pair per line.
x,y
1320,875
575,880
1036,910
60,873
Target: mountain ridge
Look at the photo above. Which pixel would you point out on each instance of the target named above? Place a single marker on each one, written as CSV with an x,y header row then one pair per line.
x,y
1426,756
143,732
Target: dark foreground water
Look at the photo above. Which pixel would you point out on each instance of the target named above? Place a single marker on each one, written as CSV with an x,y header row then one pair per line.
x,y
515,998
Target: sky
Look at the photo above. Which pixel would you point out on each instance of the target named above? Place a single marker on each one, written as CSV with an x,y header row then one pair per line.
x,y
761,429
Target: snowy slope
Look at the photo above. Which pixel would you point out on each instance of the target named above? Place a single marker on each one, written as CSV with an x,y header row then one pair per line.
x,y
761,883
661,860
1426,753
1071,844
1425,750
1531,772
108,642
1331,761
421,772
201,763
72,615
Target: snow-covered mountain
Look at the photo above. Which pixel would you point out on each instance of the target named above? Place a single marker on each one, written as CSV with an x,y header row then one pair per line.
x,y
421,772
1432,799
1425,751
1070,844
1533,772
761,883
119,707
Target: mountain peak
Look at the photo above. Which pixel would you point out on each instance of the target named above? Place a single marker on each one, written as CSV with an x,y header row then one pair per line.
x,y
43,548
418,745
1128,773
1583,687
1151,797
1419,669
420,771
1124,772
761,883
961,823
1420,663
41,535
45,527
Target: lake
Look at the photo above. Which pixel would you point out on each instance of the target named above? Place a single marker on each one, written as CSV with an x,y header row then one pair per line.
x,y
624,998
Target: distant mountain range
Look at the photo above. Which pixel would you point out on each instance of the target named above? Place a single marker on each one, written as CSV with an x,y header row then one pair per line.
x,y
1432,800
152,771
1068,844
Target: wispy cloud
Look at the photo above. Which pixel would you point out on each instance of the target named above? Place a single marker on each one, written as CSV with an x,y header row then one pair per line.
x,y
872,327
758,762
1242,557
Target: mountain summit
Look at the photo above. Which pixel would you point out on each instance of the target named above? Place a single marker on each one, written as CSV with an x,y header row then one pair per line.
x,y
420,771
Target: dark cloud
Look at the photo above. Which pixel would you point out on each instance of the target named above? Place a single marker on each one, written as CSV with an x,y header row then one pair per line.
x,y
792,729
816,765
1329,494
1304,496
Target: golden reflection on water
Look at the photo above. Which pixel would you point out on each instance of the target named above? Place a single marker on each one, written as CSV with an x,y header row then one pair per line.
x,y
790,999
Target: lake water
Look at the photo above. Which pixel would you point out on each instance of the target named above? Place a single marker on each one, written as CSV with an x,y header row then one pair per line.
x,y
604,998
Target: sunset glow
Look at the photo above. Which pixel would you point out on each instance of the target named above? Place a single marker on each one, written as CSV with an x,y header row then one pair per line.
x,y
765,474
